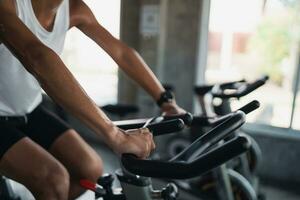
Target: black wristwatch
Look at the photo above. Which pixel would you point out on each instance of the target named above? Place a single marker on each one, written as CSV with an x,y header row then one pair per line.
x,y
165,97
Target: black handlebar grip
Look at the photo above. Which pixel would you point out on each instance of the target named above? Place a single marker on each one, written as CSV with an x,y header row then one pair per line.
x,y
250,107
265,78
232,84
253,86
166,127
186,118
120,109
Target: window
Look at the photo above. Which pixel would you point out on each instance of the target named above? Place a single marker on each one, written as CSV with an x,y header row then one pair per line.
x,y
248,39
92,67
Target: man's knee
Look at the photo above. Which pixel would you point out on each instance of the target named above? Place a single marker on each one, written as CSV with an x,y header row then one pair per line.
x,y
92,169
50,182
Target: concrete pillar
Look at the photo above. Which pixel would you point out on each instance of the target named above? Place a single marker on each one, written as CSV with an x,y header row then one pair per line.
x,y
179,60
172,53
130,16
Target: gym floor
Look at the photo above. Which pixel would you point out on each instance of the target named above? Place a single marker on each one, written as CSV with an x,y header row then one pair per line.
x,y
111,163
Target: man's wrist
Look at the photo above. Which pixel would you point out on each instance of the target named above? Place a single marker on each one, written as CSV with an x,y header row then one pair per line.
x,y
165,98
109,132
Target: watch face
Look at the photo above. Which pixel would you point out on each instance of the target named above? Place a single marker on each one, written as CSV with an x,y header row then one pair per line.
x,y
168,96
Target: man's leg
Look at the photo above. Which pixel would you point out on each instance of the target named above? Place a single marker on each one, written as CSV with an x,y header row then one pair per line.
x,y
79,158
29,164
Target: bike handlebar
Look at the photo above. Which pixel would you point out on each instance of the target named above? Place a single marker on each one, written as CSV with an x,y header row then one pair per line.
x,y
204,121
250,107
230,123
194,160
139,123
166,127
183,170
237,89
204,89
186,118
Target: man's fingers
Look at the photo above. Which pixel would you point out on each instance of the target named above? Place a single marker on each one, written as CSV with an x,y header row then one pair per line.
x,y
145,130
149,136
144,139
146,151
153,146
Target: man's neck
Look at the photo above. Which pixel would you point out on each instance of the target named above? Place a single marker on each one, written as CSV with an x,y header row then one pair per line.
x,y
45,11
45,7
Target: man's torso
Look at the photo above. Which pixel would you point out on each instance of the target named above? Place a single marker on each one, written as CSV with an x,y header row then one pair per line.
x,y
20,93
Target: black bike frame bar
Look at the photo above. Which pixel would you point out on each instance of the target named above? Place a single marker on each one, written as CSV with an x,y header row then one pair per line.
x,y
218,133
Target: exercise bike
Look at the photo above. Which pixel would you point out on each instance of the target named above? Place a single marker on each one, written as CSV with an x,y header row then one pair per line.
x,y
197,159
223,182
239,178
221,96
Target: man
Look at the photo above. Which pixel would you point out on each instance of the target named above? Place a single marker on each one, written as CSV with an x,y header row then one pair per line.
x,y
44,153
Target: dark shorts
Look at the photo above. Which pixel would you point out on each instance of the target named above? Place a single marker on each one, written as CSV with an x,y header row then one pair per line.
x,y
43,127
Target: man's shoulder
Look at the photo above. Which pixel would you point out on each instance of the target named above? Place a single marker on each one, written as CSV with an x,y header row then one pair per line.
x,y
79,12
76,5
9,7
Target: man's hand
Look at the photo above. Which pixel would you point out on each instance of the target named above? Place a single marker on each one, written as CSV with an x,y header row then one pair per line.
x,y
171,108
137,141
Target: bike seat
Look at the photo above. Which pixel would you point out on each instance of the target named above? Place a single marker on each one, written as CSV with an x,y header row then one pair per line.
x,y
120,109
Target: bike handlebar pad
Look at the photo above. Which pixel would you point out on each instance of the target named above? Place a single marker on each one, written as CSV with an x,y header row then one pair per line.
x,y
187,118
250,107
166,127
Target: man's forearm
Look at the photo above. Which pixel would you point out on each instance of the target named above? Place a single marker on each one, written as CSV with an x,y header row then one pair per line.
x,y
135,67
50,71
60,85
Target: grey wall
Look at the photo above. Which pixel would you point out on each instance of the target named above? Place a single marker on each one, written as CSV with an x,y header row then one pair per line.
x,y
130,15
281,154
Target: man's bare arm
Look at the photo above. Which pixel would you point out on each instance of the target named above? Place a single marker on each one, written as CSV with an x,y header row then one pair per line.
x,y
51,73
46,66
127,58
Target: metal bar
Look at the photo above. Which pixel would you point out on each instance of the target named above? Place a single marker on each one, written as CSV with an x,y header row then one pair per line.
x,y
295,92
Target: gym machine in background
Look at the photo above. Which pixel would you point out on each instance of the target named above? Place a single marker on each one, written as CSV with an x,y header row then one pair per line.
x,y
236,179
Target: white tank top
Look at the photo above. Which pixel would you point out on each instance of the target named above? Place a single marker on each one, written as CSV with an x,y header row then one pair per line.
x,y
20,93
